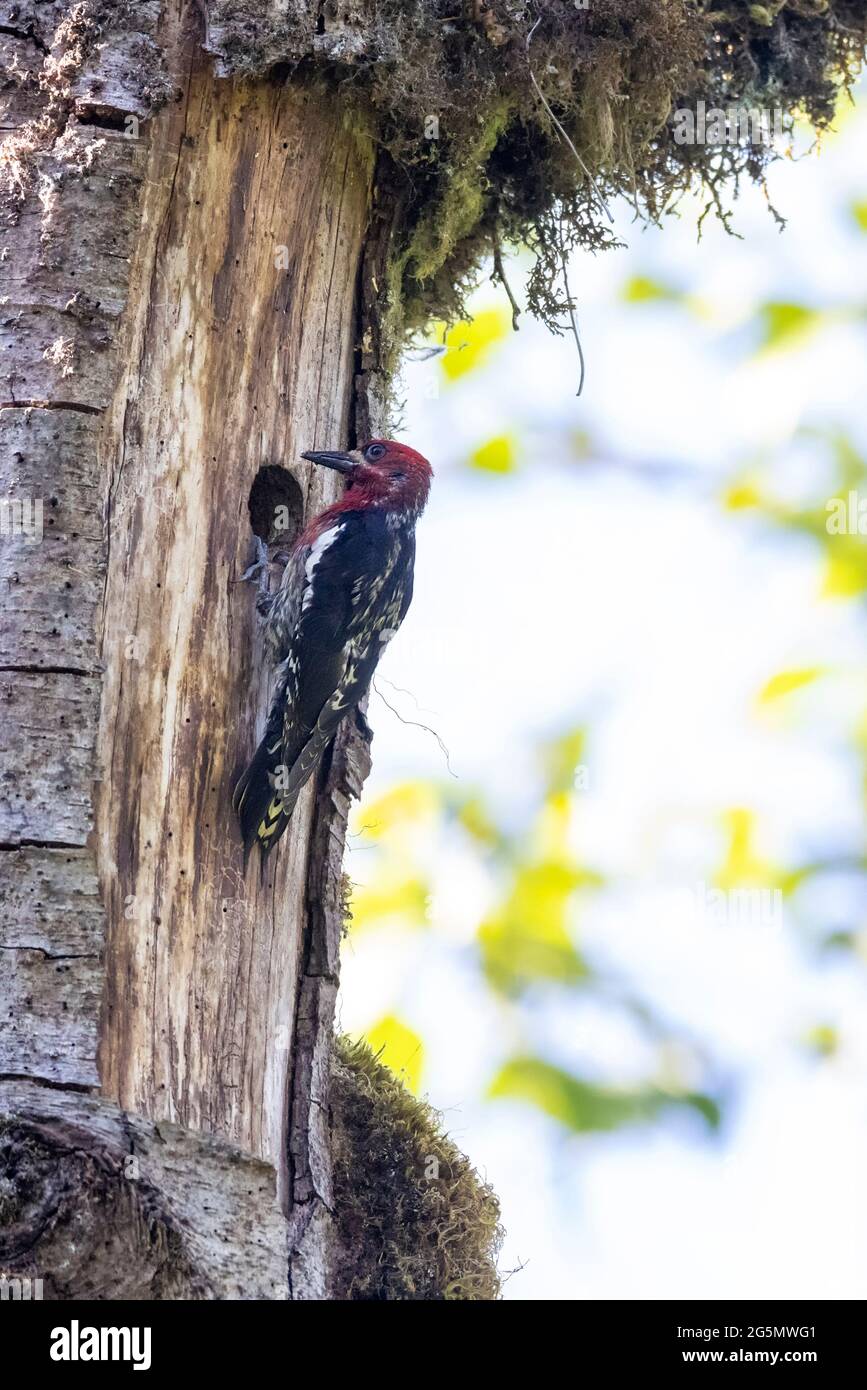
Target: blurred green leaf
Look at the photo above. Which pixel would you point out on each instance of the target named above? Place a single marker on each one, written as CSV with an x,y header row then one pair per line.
x,y
822,1039
742,495
705,1105
785,323
846,570
858,210
641,289
475,818
583,445
584,1107
845,551
527,937
841,941
561,759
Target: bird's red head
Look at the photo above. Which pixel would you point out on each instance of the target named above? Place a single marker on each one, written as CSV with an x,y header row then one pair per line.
x,y
381,473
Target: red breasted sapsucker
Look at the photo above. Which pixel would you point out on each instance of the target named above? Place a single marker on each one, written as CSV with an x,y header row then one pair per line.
x,y
344,593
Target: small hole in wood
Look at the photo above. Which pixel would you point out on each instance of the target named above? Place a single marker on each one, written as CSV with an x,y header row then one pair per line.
x,y
276,505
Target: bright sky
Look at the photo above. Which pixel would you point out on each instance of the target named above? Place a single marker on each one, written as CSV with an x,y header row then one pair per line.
x,y
622,595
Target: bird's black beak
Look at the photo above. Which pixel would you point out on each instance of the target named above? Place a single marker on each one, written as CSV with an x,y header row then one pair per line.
x,y
332,458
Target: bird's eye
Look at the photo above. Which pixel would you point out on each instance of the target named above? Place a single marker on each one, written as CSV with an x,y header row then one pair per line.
x,y
375,451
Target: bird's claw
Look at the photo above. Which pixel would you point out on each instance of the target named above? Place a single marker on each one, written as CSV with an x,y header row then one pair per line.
x,y
261,562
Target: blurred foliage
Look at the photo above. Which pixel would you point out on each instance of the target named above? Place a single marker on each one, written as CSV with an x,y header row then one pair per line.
x,y
399,1049
844,550
743,866
783,324
822,1040
779,324
498,455
784,682
524,940
642,289
582,1107
469,343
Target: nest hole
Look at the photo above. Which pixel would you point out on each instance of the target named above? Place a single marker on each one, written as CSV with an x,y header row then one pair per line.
x,y
276,505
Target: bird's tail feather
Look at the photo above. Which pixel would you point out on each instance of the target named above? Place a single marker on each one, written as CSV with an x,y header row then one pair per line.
x,y
267,792
257,803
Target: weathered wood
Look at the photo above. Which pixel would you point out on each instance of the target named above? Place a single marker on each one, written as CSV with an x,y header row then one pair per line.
x,y
309,1131
241,356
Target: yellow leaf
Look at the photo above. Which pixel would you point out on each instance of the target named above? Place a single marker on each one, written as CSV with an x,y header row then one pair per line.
x,y
408,803
399,1048
561,759
786,681
786,323
742,495
859,212
469,343
474,817
391,895
497,456
846,574
528,936
743,866
551,831
582,444
640,289
823,1039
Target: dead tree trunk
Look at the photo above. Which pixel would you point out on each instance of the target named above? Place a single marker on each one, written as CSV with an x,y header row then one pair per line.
x,y
180,309
205,268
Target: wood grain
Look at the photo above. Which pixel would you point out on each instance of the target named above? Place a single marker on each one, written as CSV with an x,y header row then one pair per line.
x,y
241,356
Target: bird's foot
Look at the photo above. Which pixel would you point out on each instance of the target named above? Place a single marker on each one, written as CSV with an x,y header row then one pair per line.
x,y
260,564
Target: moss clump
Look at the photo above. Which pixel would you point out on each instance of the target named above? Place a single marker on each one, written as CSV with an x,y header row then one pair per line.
x,y
414,1221
473,98
501,121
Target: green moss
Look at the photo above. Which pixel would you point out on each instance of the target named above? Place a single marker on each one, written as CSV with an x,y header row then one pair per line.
x,y
414,1221
496,165
474,107
516,121
457,211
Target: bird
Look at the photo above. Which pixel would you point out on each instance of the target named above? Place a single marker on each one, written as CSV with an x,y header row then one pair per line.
x,y
343,595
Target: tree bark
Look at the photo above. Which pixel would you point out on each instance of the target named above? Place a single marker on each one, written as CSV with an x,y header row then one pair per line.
x,y
182,307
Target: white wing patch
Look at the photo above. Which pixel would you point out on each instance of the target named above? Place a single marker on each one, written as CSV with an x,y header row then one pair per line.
x,y
317,550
